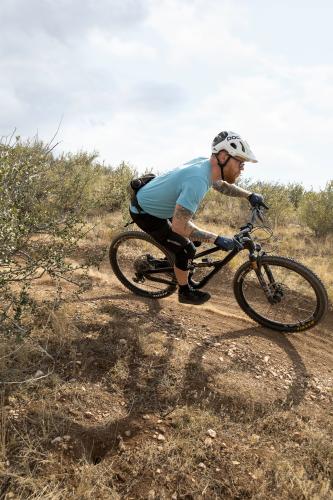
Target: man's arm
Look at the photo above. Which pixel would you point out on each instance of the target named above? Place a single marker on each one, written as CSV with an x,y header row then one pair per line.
x,y
183,225
230,189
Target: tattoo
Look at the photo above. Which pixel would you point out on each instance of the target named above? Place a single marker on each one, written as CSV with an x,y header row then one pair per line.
x,y
182,214
200,235
230,189
182,224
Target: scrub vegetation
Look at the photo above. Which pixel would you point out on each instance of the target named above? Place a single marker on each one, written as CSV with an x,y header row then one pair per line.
x,y
105,395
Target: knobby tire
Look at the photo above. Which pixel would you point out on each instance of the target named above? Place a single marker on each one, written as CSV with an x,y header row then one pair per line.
x,y
318,289
138,235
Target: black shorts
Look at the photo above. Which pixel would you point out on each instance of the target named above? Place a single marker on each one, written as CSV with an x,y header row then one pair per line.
x,y
161,231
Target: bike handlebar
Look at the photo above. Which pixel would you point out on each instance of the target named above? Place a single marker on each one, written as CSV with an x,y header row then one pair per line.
x,y
256,214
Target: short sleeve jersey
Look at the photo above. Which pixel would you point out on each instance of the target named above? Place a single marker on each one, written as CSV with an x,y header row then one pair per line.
x,y
185,186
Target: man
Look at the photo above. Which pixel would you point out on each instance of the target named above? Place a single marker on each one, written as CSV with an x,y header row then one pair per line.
x,y
165,206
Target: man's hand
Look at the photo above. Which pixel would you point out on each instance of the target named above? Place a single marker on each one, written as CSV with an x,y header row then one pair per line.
x,y
228,243
257,200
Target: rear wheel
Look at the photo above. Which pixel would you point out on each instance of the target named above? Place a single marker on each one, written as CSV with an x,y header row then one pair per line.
x,y
134,256
280,294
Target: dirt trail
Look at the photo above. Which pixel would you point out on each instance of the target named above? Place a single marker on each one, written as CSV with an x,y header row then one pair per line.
x,y
221,318
226,348
139,382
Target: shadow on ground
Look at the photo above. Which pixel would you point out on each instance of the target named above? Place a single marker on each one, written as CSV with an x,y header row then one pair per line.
x,y
141,388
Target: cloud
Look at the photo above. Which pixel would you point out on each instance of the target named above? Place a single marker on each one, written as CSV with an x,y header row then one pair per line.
x,y
168,75
65,20
157,96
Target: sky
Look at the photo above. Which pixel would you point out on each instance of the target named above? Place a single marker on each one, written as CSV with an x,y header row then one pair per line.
x,y
151,82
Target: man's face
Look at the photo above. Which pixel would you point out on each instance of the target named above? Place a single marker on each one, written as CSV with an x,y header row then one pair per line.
x,y
233,169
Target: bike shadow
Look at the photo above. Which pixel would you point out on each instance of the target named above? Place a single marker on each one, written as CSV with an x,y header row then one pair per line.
x,y
197,378
142,392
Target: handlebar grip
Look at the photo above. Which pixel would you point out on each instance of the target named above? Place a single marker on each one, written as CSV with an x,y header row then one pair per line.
x,y
260,205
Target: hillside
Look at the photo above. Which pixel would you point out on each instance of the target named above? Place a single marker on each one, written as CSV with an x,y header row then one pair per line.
x,y
151,399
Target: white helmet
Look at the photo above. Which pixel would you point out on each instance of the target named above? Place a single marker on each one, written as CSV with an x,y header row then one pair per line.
x,y
234,145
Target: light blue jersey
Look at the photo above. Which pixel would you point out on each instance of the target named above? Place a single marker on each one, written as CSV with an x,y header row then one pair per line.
x,y
185,186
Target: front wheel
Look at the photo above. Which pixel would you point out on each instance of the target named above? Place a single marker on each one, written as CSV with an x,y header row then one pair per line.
x,y
281,294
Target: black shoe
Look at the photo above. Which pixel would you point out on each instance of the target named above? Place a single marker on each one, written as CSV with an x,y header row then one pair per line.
x,y
191,296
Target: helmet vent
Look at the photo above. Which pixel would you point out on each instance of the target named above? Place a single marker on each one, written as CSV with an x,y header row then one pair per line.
x,y
243,149
233,145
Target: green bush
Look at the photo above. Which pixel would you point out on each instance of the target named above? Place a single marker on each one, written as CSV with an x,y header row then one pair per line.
x,y
111,190
42,213
295,192
316,210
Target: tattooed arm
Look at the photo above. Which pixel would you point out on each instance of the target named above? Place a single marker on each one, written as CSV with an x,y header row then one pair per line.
x,y
183,225
230,189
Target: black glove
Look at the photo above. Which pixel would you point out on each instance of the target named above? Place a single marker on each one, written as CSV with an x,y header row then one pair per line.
x,y
228,243
257,200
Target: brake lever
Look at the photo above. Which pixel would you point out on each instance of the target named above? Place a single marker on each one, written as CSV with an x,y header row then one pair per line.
x,y
259,215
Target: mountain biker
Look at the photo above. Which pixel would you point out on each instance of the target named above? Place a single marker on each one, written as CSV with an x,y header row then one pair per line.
x,y
164,207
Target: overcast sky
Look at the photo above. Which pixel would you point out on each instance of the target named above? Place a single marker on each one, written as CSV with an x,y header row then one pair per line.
x,y
153,81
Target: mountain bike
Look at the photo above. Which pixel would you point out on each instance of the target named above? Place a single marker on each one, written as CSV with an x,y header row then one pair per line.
x,y
276,292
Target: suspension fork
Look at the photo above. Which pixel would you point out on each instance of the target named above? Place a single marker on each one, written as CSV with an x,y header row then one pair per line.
x,y
257,266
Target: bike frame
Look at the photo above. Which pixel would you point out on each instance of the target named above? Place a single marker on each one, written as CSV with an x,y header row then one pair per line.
x,y
217,265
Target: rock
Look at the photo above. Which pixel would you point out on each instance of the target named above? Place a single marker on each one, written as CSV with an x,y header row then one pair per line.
x,y
266,359
151,495
56,440
160,437
88,414
122,341
174,496
211,433
202,465
128,433
254,438
38,374
66,438
121,445
158,471
145,417
234,462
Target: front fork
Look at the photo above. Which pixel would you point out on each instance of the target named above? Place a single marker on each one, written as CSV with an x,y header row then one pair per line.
x,y
272,289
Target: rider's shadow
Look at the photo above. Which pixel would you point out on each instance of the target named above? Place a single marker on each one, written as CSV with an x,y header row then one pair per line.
x,y
143,394
197,379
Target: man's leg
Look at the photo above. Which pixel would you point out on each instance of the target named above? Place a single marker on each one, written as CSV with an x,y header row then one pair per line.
x,y
181,247
182,276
